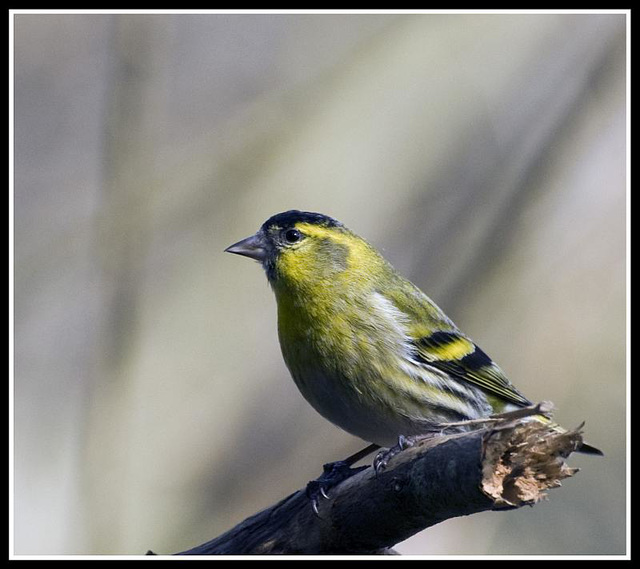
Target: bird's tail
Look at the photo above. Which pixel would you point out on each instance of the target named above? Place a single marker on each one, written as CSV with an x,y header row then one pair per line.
x,y
585,448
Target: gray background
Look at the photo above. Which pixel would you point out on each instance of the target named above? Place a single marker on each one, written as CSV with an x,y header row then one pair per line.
x,y
485,154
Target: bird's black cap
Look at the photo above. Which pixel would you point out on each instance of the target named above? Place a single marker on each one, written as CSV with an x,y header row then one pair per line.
x,y
289,218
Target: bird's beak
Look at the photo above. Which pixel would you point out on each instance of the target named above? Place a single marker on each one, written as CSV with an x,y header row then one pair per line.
x,y
253,247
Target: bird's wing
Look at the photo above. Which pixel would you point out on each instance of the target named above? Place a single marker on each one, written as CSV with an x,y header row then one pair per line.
x,y
437,343
457,355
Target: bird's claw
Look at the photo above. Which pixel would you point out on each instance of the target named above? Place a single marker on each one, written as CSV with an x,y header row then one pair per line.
x,y
333,473
385,455
315,490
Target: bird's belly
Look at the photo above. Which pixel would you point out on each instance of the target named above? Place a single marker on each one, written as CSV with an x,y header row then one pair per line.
x,y
349,410
363,414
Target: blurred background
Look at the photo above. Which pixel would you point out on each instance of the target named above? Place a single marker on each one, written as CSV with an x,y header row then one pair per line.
x,y
484,154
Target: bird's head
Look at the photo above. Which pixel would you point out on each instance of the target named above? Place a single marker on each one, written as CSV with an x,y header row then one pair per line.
x,y
304,250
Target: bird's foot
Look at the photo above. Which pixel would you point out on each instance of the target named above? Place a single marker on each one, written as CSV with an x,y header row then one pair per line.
x,y
333,473
385,455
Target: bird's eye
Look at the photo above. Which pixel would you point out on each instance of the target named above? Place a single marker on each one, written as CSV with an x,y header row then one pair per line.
x,y
292,235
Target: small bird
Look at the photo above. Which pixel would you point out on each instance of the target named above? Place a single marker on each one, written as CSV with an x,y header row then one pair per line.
x,y
368,349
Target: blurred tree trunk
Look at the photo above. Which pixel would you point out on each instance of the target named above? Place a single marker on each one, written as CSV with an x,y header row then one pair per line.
x,y
133,122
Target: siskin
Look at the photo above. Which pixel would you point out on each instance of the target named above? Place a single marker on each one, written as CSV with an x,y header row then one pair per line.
x,y
367,348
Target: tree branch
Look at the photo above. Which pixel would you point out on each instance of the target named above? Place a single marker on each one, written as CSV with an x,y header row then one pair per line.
x,y
504,466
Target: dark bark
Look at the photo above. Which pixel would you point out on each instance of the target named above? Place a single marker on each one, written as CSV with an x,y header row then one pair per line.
x,y
502,467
